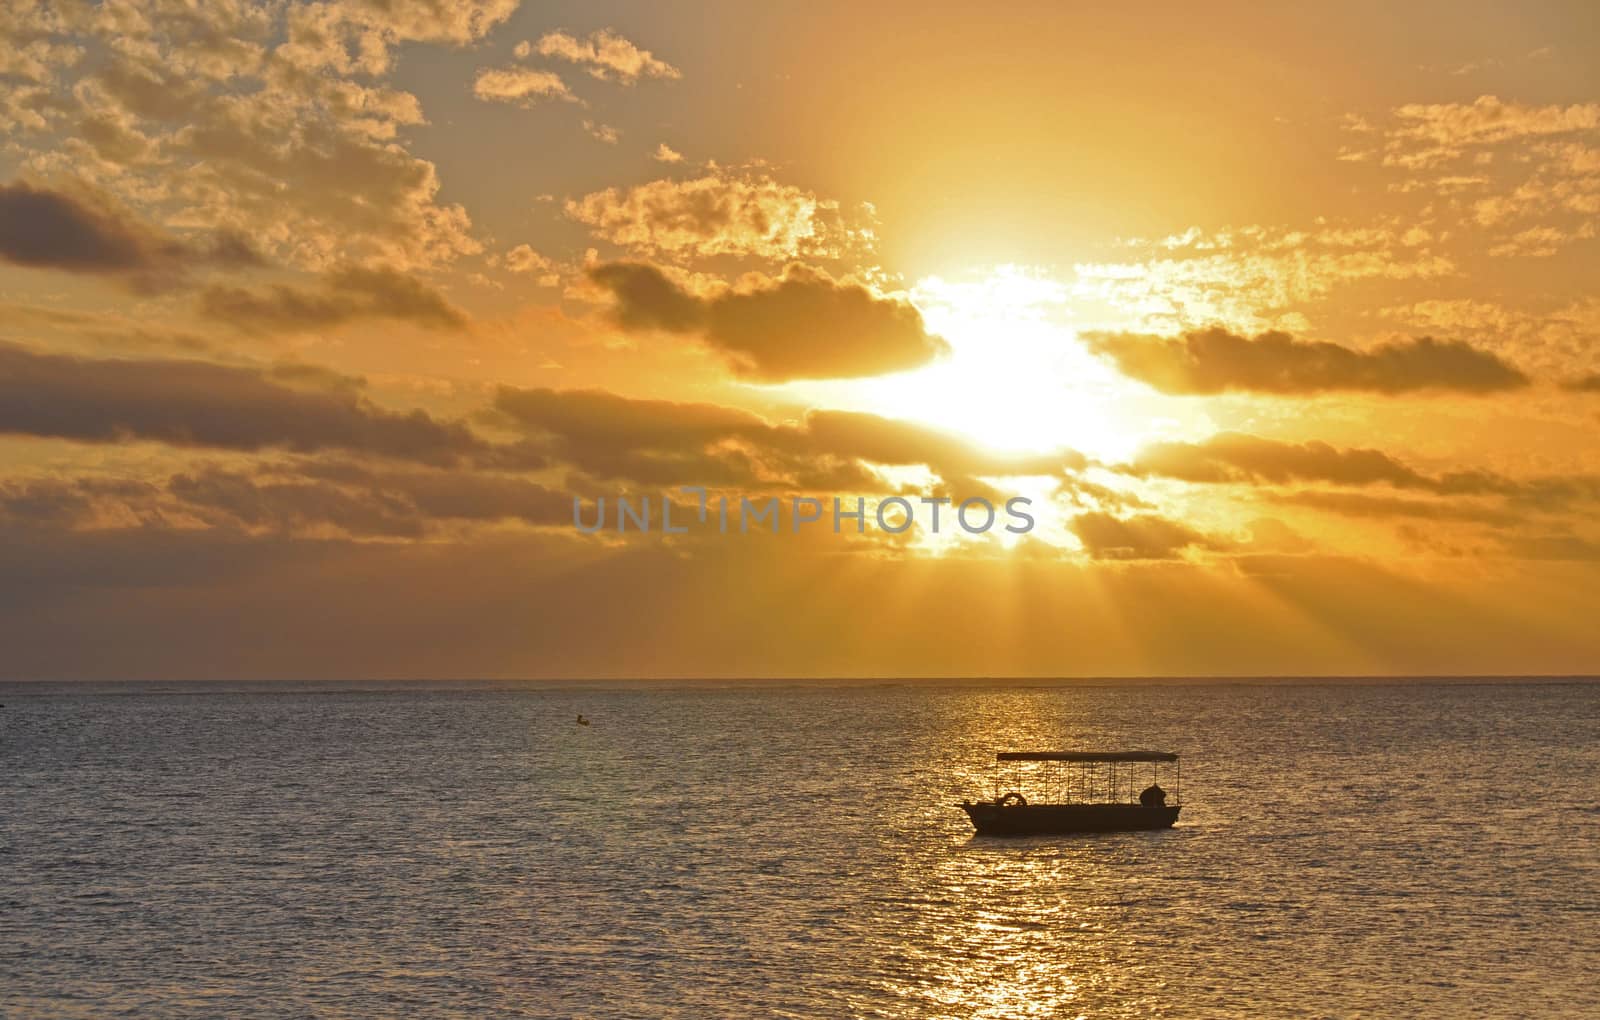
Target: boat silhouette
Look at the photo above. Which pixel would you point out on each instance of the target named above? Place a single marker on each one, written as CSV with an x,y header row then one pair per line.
x,y
1089,798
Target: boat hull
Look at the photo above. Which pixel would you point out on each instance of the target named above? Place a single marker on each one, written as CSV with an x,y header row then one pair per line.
x,y
1053,819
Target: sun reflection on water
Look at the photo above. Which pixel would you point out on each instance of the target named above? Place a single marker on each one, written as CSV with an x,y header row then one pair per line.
x,y
1028,929
992,928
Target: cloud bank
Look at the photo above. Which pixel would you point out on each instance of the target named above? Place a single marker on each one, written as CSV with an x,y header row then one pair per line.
x,y
1215,361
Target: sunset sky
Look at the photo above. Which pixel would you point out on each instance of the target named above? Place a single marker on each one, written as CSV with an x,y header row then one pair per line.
x,y
315,318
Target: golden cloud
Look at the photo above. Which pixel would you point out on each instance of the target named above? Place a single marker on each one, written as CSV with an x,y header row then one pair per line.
x,y
520,85
607,55
716,214
263,123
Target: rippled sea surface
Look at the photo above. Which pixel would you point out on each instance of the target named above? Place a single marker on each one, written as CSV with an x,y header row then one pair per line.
x,y
792,851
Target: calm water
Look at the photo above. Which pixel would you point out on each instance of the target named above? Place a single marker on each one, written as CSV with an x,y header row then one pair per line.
x,y
1400,850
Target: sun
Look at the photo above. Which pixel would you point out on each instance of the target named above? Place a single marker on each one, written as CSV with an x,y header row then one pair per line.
x,y
1016,380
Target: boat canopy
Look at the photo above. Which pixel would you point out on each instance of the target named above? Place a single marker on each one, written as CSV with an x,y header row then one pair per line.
x,y
1087,756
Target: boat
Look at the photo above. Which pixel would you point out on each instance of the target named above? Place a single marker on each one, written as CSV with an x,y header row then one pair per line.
x,y
1079,791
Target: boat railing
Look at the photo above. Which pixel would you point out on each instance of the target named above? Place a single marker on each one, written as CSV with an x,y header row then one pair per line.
x,y
1089,777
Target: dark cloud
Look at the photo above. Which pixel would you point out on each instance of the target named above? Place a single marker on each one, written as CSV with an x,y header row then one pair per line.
x,y
228,249
1357,504
612,420
1558,546
443,495
47,229
1549,493
1216,361
809,326
71,502
656,442
1239,458
662,442
648,299
199,404
360,502
304,375
1583,384
1142,537
804,325
301,497
292,506
345,294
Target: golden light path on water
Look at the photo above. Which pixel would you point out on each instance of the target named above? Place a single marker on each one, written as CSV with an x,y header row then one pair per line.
x,y
977,940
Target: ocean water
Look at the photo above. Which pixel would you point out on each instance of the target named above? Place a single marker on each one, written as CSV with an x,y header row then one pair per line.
x,y
791,850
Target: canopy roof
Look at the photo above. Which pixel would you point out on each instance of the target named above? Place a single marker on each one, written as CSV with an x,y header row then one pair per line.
x,y
1102,756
